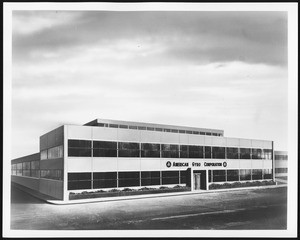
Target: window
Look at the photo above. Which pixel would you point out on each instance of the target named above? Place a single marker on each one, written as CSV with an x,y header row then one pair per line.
x,y
267,173
79,181
150,178
141,128
159,129
281,170
181,131
207,151
19,169
245,174
188,132
113,125
208,133
150,150
196,132
195,151
256,174
55,174
79,148
124,126
44,155
170,177
129,149
244,153
169,151
184,151
55,152
281,157
202,133
210,176
104,149
256,153
219,176
218,152
105,180
26,169
232,175
150,128
133,127
232,153
182,178
129,179
267,154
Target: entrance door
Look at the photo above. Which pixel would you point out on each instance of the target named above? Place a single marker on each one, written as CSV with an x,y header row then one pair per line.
x,y
197,181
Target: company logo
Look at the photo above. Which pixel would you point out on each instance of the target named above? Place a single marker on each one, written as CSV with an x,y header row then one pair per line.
x,y
168,164
224,164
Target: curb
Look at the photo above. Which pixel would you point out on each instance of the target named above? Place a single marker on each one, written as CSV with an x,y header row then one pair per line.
x,y
110,199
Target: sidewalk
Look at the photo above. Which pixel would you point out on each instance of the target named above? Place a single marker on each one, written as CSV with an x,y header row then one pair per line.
x,y
158,195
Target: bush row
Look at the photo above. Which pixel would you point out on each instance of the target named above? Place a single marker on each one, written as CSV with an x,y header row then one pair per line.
x,y
240,184
125,192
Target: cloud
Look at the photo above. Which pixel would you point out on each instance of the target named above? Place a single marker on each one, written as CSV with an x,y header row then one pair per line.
x,y
190,36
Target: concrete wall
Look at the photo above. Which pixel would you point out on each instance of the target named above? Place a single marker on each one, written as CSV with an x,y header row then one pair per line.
x,y
51,187
32,183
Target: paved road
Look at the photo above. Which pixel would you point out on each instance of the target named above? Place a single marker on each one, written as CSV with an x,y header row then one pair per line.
x,y
247,209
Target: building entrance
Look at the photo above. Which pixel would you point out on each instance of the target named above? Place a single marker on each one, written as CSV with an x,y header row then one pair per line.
x,y
199,180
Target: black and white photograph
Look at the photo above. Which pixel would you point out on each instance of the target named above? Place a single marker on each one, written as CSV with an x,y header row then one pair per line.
x,y
150,119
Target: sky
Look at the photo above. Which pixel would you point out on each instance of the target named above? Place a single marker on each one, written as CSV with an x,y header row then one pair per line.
x,y
222,70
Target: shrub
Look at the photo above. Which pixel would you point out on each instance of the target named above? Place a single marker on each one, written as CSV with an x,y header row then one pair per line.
x,y
177,186
127,190
114,190
163,187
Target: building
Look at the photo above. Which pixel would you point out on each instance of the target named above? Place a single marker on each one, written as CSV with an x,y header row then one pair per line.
x,y
106,154
281,165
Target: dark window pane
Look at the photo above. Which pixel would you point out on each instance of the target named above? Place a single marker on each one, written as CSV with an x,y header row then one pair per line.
x,y
256,153
105,175
267,154
133,127
196,132
79,152
218,152
174,130
150,181
150,128
113,125
182,176
129,175
52,174
184,154
184,147
232,153
129,182
181,131
244,153
150,146
245,174
158,129
79,143
167,130
208,133
129,145
256,174
129,153
174,180
79,176
105,183
267,174
150,154
141,128
219,176
105,144
202,133
232,175
207,152
166,174
170,154
151,174
188,132
209,175
104,153
74,185
123,126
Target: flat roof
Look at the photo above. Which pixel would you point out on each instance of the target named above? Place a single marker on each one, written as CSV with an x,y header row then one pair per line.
x,y
98,121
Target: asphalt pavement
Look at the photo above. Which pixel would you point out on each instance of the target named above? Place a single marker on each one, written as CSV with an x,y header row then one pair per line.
x,y
261,209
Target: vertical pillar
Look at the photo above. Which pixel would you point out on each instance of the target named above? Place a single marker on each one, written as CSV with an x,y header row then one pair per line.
x,y
273,162
192,179
206,179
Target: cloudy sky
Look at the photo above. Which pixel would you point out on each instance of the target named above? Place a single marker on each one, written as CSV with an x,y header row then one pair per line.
x,y
224,70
